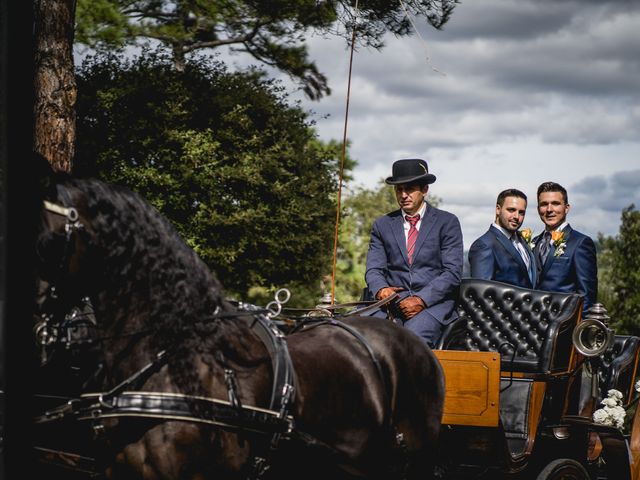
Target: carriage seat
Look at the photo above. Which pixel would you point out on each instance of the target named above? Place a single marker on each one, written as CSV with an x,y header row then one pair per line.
x,y
618,365
533,327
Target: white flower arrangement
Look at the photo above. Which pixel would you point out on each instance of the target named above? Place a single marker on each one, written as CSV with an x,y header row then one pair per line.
x,y
613,412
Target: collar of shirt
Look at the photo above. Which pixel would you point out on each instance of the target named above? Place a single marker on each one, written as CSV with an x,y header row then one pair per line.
x,y
560,228
406,224
504,231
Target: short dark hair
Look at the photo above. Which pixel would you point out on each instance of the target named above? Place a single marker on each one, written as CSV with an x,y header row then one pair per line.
x,y
510,192
553,187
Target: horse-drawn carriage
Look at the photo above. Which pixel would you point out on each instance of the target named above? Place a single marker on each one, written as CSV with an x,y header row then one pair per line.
x,y
524,374
170,380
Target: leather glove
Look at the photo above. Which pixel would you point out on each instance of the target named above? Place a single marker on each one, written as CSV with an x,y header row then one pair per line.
x,y
411,306
387,292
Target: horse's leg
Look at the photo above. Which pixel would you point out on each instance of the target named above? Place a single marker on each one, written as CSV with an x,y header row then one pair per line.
x,y
415,383
419,399
181,451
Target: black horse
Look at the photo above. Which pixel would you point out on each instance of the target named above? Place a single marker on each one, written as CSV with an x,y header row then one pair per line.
x,y
368,397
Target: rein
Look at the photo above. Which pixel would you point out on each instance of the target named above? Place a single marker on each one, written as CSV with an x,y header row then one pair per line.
x,y
126,399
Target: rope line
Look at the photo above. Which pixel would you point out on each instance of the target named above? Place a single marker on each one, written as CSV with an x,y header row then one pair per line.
x,y
343,155
424,44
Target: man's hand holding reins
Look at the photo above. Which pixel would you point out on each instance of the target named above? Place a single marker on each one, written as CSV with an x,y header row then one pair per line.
x,y
411,306
387,292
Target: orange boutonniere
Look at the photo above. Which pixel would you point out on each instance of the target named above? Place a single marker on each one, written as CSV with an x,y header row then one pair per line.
x,y
557,237
527,236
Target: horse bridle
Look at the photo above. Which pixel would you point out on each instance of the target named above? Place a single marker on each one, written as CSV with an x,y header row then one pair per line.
x,y
51,330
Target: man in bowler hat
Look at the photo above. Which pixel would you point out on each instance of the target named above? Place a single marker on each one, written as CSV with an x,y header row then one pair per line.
x,y
416,251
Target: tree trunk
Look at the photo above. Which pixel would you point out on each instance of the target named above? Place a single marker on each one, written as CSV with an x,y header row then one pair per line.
x,y
55,84
179,60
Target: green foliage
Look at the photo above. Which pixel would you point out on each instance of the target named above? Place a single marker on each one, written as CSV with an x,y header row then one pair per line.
x,y
619,273
271,31
240,173
361,208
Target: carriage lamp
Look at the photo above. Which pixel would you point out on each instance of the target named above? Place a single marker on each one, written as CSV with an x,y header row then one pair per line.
x,y
592,336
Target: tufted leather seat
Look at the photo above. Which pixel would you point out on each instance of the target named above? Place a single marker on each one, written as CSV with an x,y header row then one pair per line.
x,y
531,326
617,366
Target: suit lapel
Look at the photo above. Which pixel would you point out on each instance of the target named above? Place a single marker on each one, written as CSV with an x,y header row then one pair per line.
x,y
533,267
506,243
552,251
426,227
397,227
550,258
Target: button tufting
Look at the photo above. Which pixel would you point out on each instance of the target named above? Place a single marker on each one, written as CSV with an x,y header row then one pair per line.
x,y
523,317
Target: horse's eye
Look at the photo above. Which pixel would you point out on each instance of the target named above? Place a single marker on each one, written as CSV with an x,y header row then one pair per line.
x,y
50,248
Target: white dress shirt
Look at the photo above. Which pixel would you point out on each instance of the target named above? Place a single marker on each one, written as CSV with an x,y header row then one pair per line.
x,y
406,224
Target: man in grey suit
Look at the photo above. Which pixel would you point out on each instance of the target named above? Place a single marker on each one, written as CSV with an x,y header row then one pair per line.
x,y
416,251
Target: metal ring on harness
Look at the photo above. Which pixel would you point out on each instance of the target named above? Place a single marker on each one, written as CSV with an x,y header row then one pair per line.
x,y
275,307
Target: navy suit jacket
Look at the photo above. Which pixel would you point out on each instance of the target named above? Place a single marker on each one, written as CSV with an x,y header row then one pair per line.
x,y
576,270
436,271
493,257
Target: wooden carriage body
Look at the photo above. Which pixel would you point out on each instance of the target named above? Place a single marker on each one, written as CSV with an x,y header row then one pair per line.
x,y
519,402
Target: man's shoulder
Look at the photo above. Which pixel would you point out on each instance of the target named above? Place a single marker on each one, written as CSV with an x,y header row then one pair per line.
x,y
487,240
390,215
387,217
445,215
575,235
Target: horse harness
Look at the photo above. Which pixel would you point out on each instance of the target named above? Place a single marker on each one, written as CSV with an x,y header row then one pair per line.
x,y
126,400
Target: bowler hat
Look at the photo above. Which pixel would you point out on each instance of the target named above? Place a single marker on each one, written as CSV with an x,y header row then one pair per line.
x,y
410,170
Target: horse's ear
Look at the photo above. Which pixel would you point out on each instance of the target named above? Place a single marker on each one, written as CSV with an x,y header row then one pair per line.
x,y
44,171
46,177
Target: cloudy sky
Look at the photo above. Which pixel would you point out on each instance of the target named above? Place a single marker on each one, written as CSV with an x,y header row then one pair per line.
x,y
530,91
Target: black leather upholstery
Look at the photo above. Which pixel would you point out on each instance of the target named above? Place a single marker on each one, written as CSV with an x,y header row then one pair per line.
x,y
618,364
534,324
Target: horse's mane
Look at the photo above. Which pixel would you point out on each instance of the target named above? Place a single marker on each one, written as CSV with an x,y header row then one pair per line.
x,y
149,272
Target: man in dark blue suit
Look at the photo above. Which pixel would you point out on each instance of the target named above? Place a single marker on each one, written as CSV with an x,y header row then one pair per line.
x,y
416,251
501,253
566,257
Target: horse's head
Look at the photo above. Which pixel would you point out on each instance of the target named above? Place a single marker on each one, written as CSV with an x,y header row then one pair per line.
x,y
62,262
63,243
107,243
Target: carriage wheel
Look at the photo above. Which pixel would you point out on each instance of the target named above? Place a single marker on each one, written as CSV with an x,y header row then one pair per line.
x,y
563,469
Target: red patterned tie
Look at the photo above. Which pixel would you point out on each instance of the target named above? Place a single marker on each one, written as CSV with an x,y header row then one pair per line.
x,y
413,235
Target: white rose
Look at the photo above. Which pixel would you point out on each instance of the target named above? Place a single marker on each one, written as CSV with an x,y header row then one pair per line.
x,y
613,393
609,402
618,412
637,386
600,416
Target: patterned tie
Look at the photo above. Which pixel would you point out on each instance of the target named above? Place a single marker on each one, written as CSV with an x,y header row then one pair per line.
x,y
521,250
543,251
413,235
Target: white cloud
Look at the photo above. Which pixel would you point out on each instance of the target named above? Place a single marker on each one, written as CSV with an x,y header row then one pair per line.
x,y
533,91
